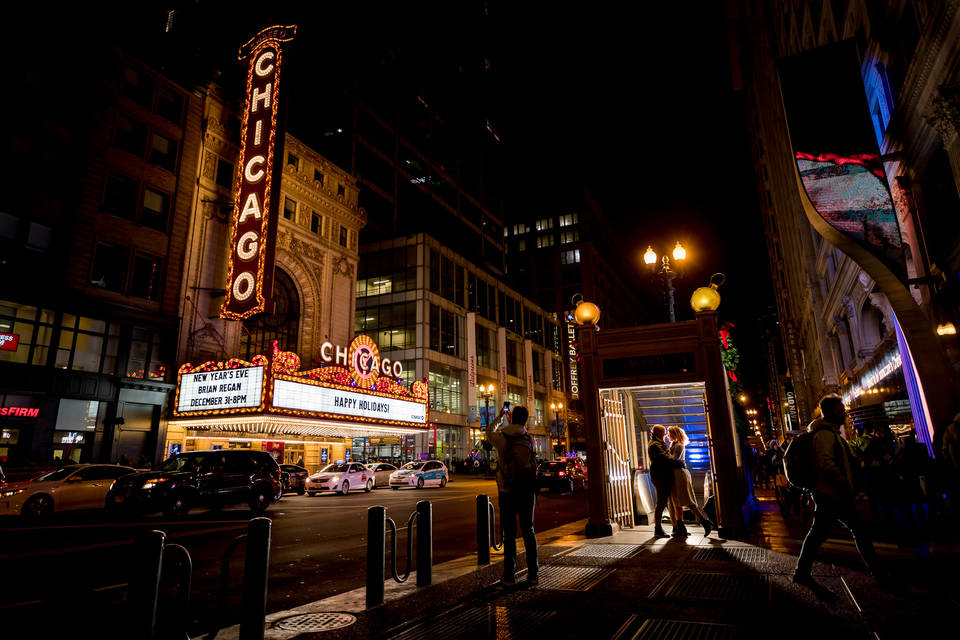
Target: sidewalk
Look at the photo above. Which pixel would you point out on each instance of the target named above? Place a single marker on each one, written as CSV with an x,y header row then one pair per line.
x,y
633,585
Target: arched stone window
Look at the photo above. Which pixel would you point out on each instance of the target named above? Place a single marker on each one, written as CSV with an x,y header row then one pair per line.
x,y
283,325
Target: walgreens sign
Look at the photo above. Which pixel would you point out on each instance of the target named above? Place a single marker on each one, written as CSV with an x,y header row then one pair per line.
x,y
9,341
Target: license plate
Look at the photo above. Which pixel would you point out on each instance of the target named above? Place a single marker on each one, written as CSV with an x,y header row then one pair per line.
x,y
547,475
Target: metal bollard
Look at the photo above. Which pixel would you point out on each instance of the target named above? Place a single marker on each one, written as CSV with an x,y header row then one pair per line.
x,y
376,554
255,574
483,529
145,583
186,577
424,543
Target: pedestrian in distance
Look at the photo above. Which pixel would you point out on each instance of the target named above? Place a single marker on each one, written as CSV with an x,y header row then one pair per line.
x,y
682,493
834,488
517,485
662,465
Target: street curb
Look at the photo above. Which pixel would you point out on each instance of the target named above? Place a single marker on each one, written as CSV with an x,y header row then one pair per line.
x,y
454,581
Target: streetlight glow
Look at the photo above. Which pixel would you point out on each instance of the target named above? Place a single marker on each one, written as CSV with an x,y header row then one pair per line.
x,y
679,253
650,257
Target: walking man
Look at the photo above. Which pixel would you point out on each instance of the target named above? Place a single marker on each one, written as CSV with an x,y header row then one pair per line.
x,y
662,465
833,493
517,484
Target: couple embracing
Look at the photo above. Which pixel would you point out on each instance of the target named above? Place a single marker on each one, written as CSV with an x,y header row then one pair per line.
x,y
672,481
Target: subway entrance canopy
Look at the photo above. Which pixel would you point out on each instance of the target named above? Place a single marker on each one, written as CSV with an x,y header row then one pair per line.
x,y
356,394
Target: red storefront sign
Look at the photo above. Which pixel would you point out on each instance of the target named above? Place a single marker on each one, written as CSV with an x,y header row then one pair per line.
x,y
254,222
9,341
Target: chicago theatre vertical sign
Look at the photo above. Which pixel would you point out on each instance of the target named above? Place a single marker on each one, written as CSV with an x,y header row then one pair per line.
x,y
254,222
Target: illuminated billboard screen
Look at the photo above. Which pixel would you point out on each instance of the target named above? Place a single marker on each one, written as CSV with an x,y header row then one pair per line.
x,y
835,147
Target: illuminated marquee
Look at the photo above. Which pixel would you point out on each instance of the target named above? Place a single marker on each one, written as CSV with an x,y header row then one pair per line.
x,y
573,356
359,390
254,222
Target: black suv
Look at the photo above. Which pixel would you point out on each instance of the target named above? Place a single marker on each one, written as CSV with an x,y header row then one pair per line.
x,y
562,475
211,479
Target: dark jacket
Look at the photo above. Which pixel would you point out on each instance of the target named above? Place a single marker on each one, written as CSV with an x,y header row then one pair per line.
x,y
662,463
835,461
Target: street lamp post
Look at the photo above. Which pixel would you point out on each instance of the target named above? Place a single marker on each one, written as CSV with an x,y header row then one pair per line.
x,y
666,272
557,416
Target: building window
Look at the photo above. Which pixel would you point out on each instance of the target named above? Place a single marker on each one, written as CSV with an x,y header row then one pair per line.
x,y
447,331
316,223
170,104
224,174
570,257
289,209
146,277
569,236
343,236
318,177
544,224
283,325
34,328
294,160
557,375
544,241
388,271
515,358
486,347
85,343
446,389
146,356
39,236
163,151
155,209
130,135
120,196
109,267
537,367
341,190
392,326
569,219
522,244
137,86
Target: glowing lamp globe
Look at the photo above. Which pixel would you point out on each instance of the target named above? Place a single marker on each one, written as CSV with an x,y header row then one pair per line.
x,y
650,257
679,253
705,299
587,313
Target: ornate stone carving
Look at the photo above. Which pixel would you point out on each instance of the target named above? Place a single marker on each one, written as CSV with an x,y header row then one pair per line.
x,y
944,115
209,165
342,266
284,239
305,250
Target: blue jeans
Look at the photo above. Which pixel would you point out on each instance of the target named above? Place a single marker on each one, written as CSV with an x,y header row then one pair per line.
x,y
520,505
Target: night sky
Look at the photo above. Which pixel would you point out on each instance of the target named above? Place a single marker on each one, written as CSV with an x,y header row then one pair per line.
x,y
634,103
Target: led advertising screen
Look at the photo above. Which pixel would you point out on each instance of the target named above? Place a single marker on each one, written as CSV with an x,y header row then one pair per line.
x,y
836,150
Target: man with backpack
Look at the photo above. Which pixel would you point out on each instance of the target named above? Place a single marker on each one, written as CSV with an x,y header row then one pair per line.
x,y
517,484
832,477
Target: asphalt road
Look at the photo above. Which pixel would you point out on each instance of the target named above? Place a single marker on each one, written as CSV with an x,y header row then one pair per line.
x,y
71,574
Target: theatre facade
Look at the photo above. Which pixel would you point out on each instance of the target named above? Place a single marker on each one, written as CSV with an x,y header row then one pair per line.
x,y
302,415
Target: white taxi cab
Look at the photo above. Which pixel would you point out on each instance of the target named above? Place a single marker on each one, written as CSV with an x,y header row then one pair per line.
x,y
69,488
419,475
340,478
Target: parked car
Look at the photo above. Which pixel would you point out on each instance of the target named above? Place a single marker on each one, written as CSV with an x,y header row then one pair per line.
x,y
419,475
341,478
293,478
561,475
69,488
211,479
25,470
381,473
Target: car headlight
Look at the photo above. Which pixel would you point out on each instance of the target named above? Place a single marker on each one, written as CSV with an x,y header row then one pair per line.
x,y
150,484
11,492
335,479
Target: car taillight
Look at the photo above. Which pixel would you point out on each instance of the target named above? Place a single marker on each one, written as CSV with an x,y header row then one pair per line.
x,y
562,473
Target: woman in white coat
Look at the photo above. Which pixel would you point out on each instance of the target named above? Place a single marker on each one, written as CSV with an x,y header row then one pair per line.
x,y
682,494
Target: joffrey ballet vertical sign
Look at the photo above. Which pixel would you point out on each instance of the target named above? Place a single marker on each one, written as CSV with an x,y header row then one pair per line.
x,y
256,195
